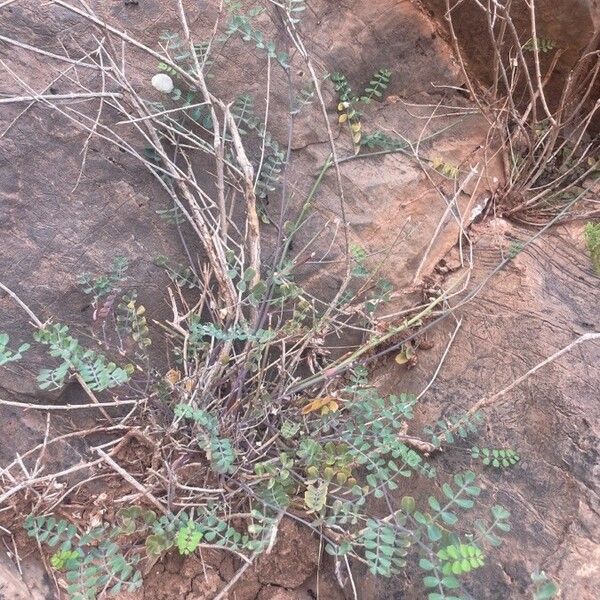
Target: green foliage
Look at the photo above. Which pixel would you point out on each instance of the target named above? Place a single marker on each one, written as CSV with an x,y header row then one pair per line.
x,y
201,417
181,54
383,141
514,249
134,517
457,560
305,96
173,216
447,565
379,294
332,462
199,330
544,587
7,355
59,560
370,439
220,453
592,240
347,111
315,496
96,371
348,106
461,498
92,561
384,549
289,429
446,169
183,57
364,456
188,538
219,450
447,430
487,532
263,445
274,161
500,458
342,87
106,557
103,285
179,274
377,85
243,114
99,374
294,9
359,256
241,24
543,44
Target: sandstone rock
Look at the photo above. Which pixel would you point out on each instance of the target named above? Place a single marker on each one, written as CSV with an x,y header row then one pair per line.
x,y
539,303
32,586
573,26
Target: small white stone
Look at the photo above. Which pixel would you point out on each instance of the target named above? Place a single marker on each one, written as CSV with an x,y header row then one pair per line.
x,y
163,83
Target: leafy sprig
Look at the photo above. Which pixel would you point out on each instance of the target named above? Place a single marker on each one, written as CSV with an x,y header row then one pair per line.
x,y
7,355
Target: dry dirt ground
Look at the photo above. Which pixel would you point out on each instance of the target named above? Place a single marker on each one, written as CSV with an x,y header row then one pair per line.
x,y
58,220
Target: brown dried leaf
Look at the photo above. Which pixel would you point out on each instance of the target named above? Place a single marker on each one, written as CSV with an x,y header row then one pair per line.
x,y
319,403
173,376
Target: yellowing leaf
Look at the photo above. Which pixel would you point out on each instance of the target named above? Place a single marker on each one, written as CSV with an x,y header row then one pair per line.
x,y
343,105
343,118
141,310
356,126
173,376
403,357
341,477
444,168
332,406
319,403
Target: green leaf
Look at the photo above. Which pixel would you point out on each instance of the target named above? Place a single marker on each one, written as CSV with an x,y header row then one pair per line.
x,y
545,588
408,504
450,582
434,504
434,533
464,503
448,492
188,538
315,496
449,517
546,591
156,545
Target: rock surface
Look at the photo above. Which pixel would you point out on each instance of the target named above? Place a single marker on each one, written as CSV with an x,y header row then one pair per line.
x,y
543,300
572,25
